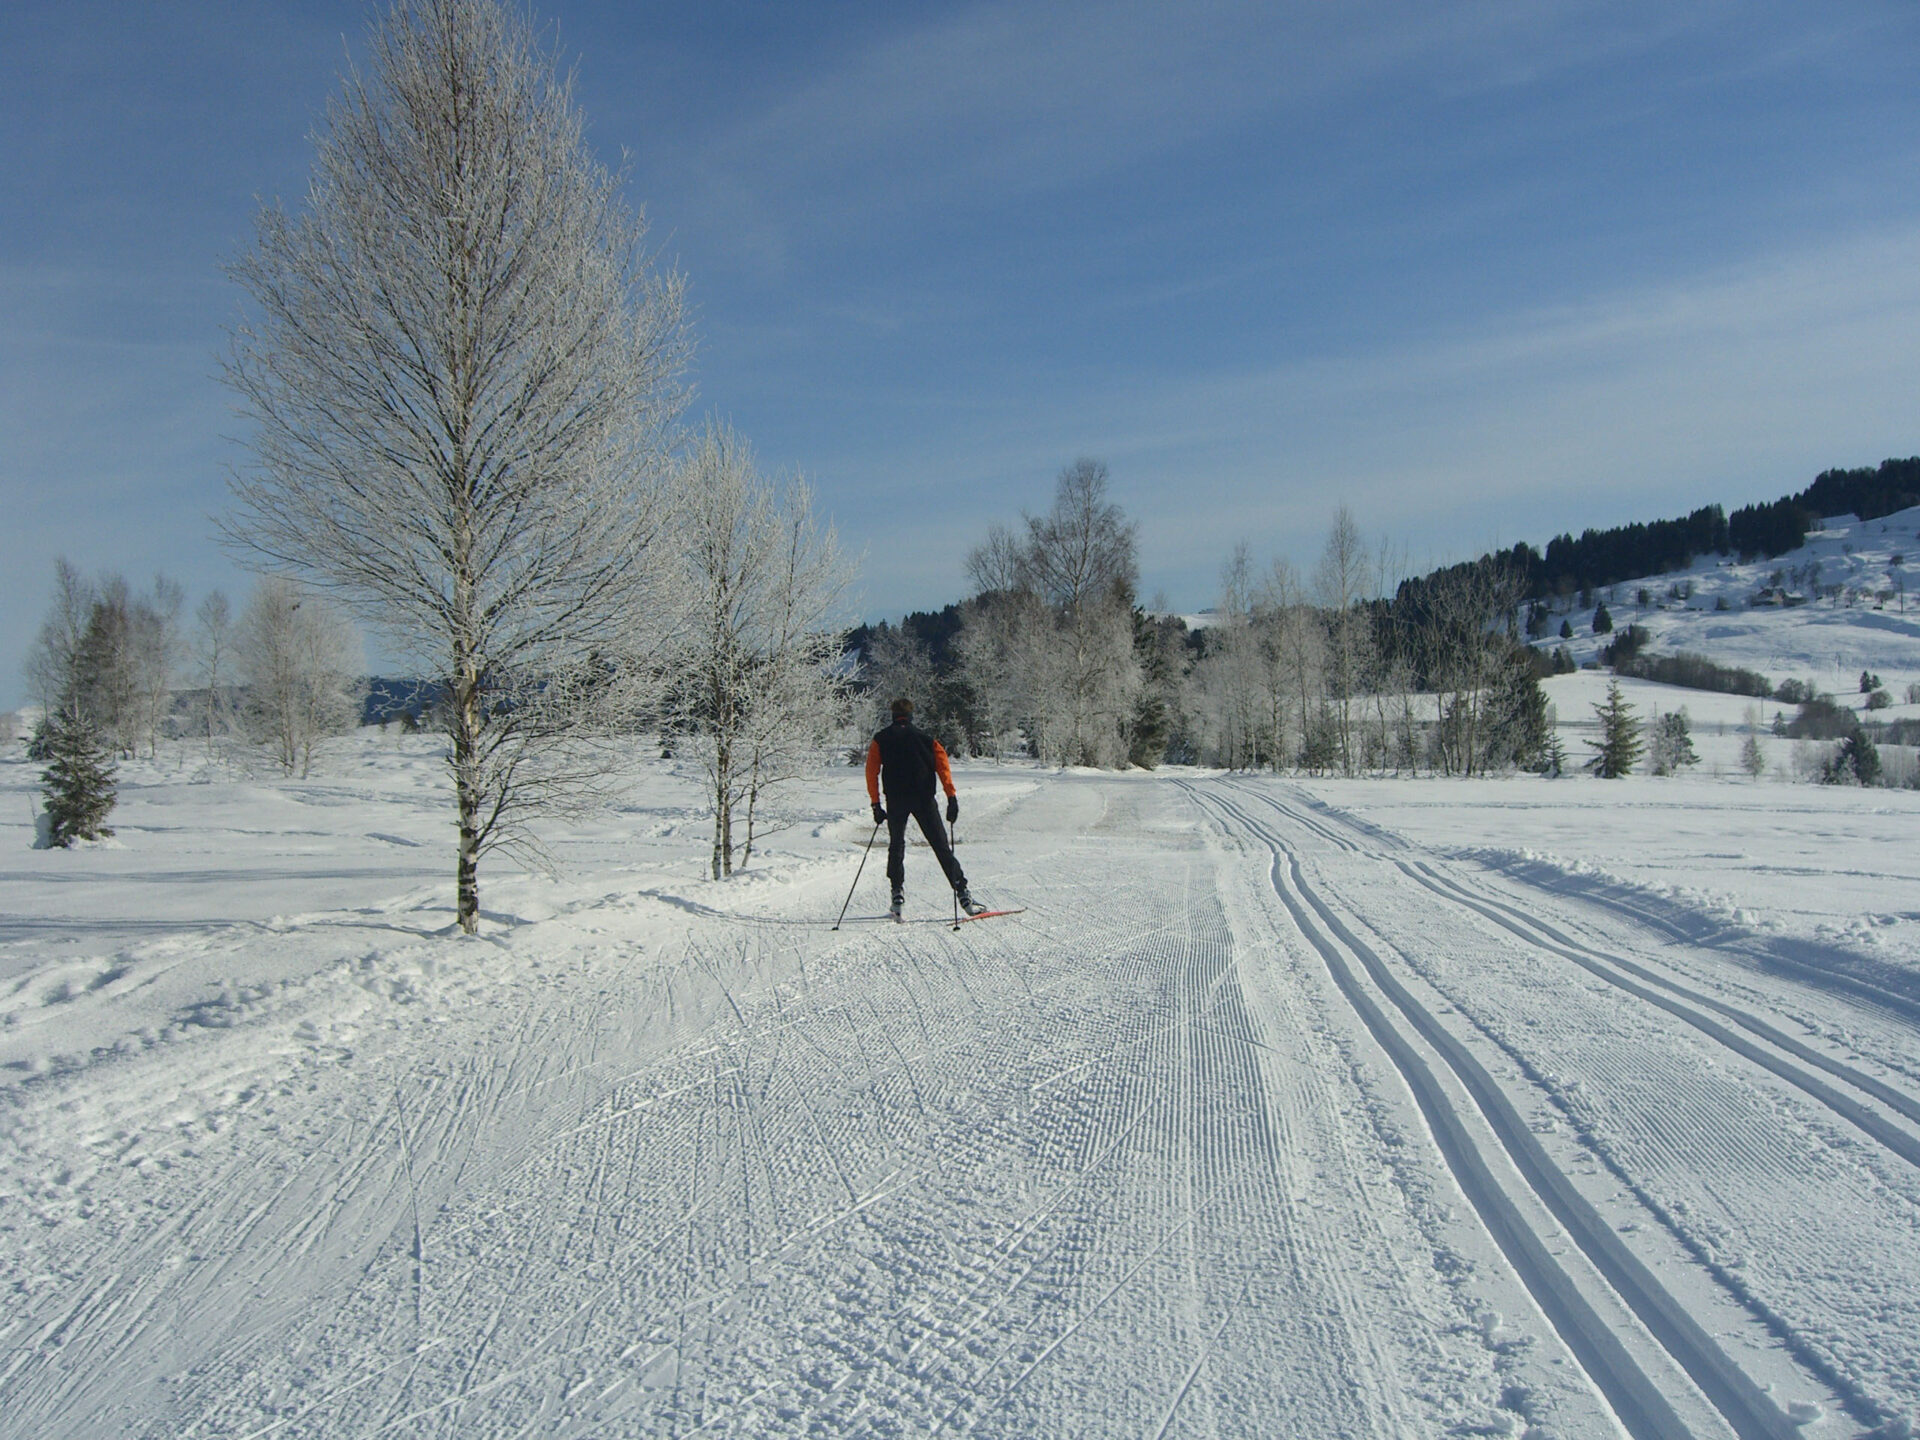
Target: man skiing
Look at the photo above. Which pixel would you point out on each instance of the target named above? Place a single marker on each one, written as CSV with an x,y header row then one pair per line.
x,y
905,762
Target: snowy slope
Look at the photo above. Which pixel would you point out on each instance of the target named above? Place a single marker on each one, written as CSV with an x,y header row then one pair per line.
x,y
1872,624
1569,1108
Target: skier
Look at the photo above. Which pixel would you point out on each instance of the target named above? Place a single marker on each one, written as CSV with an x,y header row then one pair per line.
x,y
905,761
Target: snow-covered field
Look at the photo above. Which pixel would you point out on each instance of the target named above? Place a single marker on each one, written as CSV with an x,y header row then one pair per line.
x,y
1852,576
1386,1108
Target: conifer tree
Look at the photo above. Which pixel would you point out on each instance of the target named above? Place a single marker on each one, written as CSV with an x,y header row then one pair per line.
x,y
1619,746
1856,762
1673,744
1554,763
78,782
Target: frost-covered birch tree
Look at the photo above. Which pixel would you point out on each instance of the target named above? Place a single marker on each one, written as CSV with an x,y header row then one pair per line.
x,y
1228,680
1053,624
757,687
155,654
1341,580
53,662
213,641
459,369
301,662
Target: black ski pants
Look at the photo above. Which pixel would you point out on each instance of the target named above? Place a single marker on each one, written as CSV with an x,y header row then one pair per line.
x,y
927,812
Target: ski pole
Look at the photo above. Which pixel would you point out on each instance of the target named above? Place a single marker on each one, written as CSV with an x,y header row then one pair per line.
x,y
857,874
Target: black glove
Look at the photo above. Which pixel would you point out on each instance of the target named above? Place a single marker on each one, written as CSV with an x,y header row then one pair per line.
x,y
953,808
879,815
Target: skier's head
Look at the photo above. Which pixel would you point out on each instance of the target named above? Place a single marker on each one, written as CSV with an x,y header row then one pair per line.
x,y
902,708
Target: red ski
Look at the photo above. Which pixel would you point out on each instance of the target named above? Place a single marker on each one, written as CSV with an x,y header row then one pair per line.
x,y
990,915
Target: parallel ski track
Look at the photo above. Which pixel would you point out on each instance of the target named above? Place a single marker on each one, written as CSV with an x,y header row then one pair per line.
x,y
1634,1398
1902,1009
1681,1001
1679,1145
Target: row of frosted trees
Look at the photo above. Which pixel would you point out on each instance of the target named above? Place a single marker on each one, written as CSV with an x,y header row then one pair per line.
x,y
124,667
462,377
1321,672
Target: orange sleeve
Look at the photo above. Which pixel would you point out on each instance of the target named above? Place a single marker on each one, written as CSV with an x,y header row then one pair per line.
x,y
940,765
873,771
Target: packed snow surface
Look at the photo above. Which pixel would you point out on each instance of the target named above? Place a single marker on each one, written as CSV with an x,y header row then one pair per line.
x,y
1389,1108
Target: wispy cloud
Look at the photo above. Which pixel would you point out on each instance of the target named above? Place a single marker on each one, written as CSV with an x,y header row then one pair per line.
x,y
1728,386
995,102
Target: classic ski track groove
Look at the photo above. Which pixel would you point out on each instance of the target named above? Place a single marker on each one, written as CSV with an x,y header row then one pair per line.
x,y
1681,1003
1809,1336
1818,1339
1635,1399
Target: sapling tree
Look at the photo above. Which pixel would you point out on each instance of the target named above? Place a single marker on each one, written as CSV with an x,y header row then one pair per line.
x,y
755,685
1753,757
1672,748
155,655
1619,747
78,786
53,662
1340,580
459,369
301,661
214,665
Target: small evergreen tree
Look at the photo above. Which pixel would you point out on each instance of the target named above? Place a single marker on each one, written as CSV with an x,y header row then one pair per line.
x,y
1566,629
1672,749
1602,619
1856,762
78,782
1619,746
1320,748
1753,759
1516,718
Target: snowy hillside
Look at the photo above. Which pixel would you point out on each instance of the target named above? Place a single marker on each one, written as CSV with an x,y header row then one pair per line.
x,y
1559,1108
1827,611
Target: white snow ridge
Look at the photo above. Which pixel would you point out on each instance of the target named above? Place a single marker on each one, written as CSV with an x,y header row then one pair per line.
x,y
1330,1108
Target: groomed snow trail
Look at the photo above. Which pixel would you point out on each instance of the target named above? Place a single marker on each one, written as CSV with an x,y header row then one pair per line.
x,y
1748,1189
1194,1147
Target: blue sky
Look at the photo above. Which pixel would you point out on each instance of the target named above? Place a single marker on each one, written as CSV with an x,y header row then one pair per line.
x,y
1482,271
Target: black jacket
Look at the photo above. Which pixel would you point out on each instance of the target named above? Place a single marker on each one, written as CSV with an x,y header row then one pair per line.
x,y
906,762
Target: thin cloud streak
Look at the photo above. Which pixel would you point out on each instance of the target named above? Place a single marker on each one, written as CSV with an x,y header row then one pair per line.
x,y
1733,387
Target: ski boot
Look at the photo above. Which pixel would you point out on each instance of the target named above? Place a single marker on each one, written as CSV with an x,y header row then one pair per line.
x,y
898,903
969,904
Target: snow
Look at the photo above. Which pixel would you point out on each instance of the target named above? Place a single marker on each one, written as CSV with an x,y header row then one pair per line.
x,y
1872,624
1317,1108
